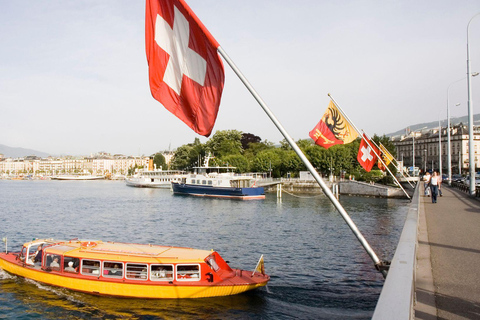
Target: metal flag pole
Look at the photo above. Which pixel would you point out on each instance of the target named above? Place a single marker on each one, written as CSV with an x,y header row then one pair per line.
x,y
380,158
368,142
379,264
396,161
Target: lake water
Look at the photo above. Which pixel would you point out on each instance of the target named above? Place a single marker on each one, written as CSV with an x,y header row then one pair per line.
x,y
318,268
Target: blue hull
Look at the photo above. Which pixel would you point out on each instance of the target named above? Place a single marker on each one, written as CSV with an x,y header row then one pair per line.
x,y
218,192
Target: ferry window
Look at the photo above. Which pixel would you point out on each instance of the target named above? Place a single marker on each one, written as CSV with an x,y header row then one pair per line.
x,y
210,182
204,182
161,272
136,271
212,263
53,261
90,267
71,264
113,269
188,272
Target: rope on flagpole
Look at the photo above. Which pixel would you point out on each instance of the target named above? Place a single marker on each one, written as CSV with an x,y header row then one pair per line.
x,y
380,265
368,143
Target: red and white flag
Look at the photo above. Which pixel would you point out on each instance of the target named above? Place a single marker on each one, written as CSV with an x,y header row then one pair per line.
x,y
185,71
366,156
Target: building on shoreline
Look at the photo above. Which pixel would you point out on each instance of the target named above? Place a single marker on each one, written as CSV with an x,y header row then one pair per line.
x,y
427,153
98,164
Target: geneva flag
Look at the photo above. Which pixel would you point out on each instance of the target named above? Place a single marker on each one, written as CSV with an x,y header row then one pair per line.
x,y
333,129
185,72
366,156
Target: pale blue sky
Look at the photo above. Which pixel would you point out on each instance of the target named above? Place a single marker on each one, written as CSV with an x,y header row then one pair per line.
x,y
73,74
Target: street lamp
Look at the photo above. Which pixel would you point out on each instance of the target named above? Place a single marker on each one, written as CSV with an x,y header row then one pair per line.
x,y
471,151
449,157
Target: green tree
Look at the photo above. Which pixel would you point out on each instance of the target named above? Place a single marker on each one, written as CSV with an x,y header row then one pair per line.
x,y
188,155
290,163
225,142
266,161
159,161
237,160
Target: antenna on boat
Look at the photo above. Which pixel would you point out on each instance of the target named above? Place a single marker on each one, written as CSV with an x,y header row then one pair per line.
x,y
5,240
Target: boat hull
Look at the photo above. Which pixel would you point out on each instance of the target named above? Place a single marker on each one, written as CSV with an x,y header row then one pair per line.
x,y
121,288
142,184
86,178
219,192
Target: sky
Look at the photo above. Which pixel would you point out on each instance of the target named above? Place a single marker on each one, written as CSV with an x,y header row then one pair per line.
x,y
74,75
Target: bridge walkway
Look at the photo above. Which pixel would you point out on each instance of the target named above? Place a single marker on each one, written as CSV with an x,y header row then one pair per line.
x,y
448,257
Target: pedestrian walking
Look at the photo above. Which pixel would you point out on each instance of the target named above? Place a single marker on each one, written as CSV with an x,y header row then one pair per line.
x,y
434,187
426,182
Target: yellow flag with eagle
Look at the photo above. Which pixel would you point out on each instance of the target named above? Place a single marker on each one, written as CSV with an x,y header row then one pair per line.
x,y
333,129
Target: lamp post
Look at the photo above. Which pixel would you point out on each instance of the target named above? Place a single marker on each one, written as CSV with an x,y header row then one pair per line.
x,y
449,153
425,160
440,147
471,151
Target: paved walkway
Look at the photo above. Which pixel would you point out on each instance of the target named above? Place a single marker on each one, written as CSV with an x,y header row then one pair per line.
x,y
448,257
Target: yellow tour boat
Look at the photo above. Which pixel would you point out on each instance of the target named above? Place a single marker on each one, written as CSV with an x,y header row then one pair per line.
x,y
130,270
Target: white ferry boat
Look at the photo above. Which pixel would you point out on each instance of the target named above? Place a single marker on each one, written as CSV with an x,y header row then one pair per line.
x,y
218,182
154,178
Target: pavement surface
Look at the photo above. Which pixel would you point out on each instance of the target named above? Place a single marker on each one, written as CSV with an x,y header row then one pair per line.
x,y
448,257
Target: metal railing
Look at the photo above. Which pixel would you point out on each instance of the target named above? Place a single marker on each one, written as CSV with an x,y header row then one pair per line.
x,y
465,188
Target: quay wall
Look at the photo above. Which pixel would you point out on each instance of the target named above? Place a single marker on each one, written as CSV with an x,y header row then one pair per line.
x,y
346,187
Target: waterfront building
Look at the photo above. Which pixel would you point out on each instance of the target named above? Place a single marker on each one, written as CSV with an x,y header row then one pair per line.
x,y
99,164
427,148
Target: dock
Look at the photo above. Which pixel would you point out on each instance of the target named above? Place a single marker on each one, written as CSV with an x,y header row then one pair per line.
x,y
448,257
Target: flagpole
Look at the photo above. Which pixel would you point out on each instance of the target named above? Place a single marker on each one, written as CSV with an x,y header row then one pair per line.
x,y
401,171
368,142
379,264
385,165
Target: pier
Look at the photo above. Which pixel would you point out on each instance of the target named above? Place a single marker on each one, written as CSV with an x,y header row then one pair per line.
x,y
435,271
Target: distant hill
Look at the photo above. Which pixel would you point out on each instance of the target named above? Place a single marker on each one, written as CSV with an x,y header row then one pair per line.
x,y
9,152
434,124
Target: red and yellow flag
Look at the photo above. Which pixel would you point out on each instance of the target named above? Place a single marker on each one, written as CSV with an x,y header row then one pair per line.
x,y
386,157
333,129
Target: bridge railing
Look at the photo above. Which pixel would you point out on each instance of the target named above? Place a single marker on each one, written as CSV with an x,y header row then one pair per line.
x,y
465,188
397,297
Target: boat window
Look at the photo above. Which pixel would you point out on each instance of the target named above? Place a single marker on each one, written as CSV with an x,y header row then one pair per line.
x,y
161,272
212,263
113,269
136,271
71,264
53,261
204,182
90,267
210,182
188,272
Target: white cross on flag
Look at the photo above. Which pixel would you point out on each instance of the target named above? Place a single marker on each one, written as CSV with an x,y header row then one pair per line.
x,y
185,72
366,156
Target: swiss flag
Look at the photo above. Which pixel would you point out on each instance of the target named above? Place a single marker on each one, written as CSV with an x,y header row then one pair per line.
x,y
185,71
366,156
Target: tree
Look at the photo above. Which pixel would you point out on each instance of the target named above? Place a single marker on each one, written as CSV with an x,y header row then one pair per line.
x,y
225,142
188,155
159,161
248,138
268,161
237,160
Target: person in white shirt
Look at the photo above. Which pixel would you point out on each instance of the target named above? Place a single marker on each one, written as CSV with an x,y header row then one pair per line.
x,y
426,181
434,187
